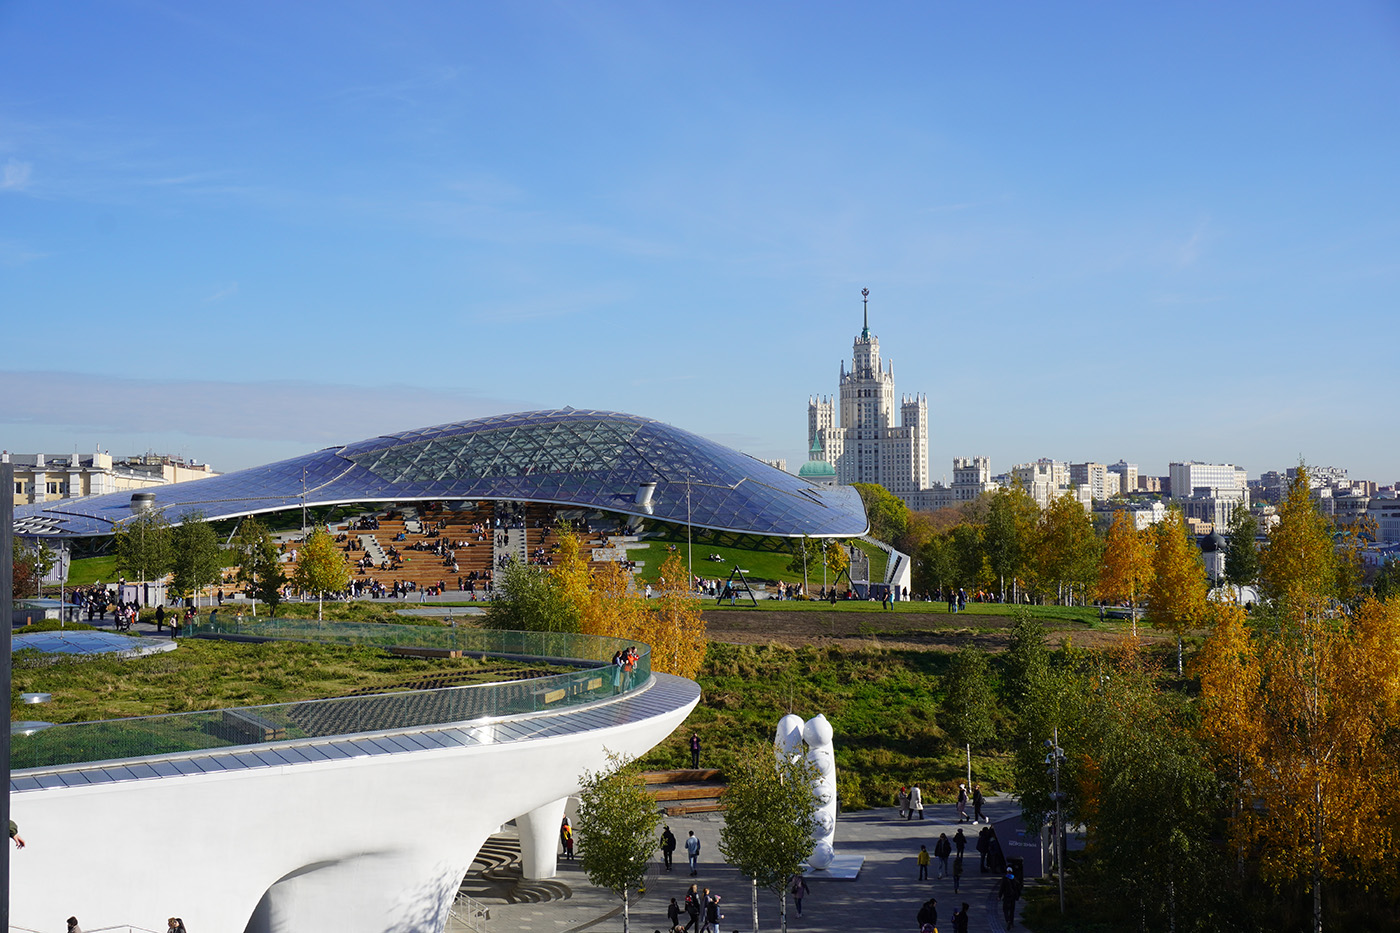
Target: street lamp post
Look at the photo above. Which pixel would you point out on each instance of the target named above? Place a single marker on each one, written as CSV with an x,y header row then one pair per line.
x,y
1053,759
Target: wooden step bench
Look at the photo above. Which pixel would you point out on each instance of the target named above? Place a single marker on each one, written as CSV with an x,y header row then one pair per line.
x,y
681,776
687,791
694,808
406,652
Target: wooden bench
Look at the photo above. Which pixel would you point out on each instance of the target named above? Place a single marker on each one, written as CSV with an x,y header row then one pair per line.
x,y
254,726
406,652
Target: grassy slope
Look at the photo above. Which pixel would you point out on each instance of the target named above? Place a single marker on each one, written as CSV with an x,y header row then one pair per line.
x,y
882,705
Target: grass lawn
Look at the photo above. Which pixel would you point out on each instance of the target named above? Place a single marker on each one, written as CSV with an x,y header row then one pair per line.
x,y
757,565
88,570
205,674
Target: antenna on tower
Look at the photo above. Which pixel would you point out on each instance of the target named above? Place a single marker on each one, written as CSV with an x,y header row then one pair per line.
x,y
865,302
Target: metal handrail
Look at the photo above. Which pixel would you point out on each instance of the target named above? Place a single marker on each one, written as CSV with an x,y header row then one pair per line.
x,y
182,733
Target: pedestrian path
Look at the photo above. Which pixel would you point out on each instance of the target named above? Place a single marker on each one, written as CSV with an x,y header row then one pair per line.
x,y
886,896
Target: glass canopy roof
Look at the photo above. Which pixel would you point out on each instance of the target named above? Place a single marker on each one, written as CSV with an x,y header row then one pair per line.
x,y
569,457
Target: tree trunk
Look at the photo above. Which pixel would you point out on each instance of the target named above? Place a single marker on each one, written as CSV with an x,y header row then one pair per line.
x,y
626,915
782,909
1178,654
753,887
1317,857
320,595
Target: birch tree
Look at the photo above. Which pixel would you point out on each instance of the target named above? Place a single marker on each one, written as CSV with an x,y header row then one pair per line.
x,y
1126,568
1176,597
617,822
769,821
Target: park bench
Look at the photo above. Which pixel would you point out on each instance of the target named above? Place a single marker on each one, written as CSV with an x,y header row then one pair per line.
x,y
250,724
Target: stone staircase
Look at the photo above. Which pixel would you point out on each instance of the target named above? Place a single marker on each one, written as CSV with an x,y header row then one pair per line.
x,y
684,791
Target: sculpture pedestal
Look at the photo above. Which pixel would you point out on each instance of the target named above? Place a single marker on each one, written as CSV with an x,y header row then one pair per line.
x,y
843,867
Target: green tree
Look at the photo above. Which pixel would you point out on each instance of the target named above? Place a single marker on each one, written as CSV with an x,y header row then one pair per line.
x,y
259,570
969,703
970,559
1298,567
1386,584
935,566
1241,552
1176,597
144,547
1140,782
195,556
769,821
1026,661
320,567
1007,536
529,598
616,828
1067,551
888,515
31,563
806,559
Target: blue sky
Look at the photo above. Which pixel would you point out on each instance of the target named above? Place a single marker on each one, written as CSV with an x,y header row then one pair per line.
x,y
1090,231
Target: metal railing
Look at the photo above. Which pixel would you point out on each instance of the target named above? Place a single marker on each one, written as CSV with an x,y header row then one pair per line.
x,y
467,915
176,733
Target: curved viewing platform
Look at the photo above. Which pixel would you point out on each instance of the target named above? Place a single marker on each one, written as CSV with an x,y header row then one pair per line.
x,y
194,735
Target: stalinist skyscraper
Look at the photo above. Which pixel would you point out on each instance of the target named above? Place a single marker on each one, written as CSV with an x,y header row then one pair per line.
x,y
867,447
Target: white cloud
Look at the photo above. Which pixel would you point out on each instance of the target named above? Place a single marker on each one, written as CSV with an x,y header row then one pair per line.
x,y
222,292
15,175
312,414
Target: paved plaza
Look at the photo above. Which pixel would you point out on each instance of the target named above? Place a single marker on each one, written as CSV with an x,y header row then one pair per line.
x,y
886,896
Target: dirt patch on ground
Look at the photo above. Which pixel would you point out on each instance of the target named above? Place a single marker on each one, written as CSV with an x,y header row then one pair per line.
x,y
902,630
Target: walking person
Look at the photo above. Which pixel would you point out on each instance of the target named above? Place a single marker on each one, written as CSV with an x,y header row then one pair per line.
x,y
673,915
923,863
916,802
799,891
977,799
566,839
1009,890
984,845
957,872
692,908
712,914
901,797
962,803
694,751
928,913
692,849
959,842
942,849
960,918
668,845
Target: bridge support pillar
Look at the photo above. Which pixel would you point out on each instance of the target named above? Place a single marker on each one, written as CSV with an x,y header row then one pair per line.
x,y
539,840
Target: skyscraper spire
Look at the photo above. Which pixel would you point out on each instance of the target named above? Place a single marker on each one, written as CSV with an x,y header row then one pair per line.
x,y
865,302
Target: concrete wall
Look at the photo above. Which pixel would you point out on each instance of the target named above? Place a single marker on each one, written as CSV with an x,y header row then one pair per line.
x,y
368,844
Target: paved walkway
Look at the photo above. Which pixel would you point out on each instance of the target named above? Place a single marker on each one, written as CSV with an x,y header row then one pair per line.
x,y
886,896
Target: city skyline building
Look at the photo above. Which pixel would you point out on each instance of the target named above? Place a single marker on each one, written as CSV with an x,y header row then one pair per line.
x,y
866,445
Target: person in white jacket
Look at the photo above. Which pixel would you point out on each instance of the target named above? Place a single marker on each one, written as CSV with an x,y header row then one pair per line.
x,y
916,802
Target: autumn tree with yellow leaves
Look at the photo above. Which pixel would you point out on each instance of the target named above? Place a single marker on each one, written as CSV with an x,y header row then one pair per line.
x,y
607,604
1125,571
1176,595
1298,710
